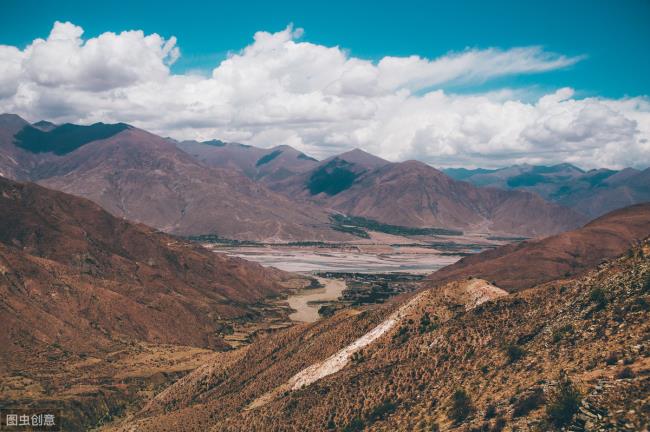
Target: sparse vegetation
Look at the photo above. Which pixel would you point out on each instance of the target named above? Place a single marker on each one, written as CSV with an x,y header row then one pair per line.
x,y
426,325
490,411
382,410
513,351
562,332
625,373
528,403
373,225
563,404
598,297
461,406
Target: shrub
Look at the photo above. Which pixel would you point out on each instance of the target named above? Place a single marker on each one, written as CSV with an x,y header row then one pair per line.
x,y
611,359
356,425
402,335
461,406
598,297
381,410
514,352
563,331
624,373
490,411
528,403
499,424
563,404
426,325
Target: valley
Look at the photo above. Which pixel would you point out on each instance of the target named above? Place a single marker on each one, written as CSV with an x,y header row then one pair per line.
x,y
142,278
353,273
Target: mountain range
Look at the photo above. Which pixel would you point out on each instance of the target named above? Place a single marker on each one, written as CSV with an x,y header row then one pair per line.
x,y
243,192
124,326
592,193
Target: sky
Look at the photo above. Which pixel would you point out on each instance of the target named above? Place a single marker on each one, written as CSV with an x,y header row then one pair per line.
x,y
459,83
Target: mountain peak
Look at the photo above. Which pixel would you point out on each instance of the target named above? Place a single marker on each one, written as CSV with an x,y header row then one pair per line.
x,y
362,158
44,125
12,120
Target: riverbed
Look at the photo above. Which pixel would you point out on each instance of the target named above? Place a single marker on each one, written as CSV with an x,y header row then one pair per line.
x,y
300,301
306,260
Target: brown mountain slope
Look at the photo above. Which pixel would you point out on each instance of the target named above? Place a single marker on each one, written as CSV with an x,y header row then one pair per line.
x,y
145,178
415,194
14,163
330,176
74,276
270,165
511,356
518,266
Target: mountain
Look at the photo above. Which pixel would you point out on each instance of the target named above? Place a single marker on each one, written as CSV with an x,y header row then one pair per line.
x,y
566,355
592,193
269,165
145,178
416,195
330,176
44,125
14,163
238,191
523,265
73,275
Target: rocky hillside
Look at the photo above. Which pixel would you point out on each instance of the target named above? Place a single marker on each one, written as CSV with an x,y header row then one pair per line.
x,y
467,356
523,265
74,276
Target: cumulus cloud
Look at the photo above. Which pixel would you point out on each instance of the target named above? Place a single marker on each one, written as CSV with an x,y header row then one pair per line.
x,y
322,100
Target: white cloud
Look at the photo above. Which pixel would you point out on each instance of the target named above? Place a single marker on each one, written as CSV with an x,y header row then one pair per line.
x,y
106,62
280,90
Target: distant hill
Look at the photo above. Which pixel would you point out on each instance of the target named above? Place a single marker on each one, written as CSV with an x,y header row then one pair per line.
x,y
414,194
592,193
523,265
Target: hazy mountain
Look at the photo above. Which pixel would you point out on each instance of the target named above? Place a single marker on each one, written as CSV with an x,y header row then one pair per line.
x,y
592,193
518,266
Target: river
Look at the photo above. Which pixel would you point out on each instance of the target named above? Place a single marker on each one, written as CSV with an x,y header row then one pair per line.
x,y
332,290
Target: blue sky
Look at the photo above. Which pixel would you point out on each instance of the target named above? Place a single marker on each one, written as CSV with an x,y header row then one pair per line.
x,y
462,83
614,35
